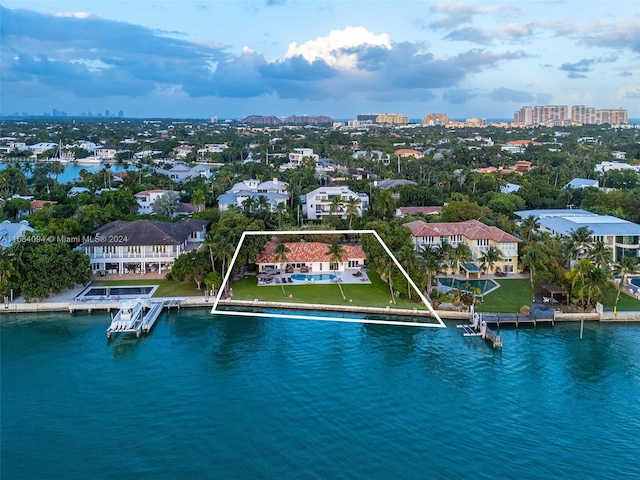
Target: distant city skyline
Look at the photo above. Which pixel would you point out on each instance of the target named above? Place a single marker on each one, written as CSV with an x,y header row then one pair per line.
x,y
155,58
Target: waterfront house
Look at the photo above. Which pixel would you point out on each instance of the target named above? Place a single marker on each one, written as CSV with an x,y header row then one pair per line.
x,y
476,235
274,192
620,236
142,246
311,257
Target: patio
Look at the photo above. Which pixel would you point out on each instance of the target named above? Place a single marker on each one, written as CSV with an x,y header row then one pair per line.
x,y
273,277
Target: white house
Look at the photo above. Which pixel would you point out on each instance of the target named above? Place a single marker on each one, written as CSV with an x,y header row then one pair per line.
x,y
318,203
147,198
182,151
273,191
142,246
297,157
106,152
311,257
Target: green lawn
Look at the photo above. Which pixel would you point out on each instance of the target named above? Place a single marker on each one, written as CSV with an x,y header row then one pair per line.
x,y
375,294
625,304
166,288
511,295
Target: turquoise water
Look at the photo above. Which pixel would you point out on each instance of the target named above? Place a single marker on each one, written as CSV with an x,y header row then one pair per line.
x,y
635,281
464,284
301,277
72,170
253,398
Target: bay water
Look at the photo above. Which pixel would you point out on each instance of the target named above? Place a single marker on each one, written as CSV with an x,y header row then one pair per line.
x,y
225,397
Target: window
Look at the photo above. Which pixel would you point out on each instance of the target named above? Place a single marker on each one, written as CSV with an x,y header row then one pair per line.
x,y
483,242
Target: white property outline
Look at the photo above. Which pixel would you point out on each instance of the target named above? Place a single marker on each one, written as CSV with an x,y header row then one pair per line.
x,y
440,323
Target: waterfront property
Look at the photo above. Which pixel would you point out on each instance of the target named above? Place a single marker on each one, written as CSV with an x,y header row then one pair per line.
x,y
321,202
310,258
476,235
620,236
142,246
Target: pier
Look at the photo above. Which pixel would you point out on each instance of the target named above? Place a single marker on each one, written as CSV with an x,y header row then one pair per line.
x,y
132,318
478,328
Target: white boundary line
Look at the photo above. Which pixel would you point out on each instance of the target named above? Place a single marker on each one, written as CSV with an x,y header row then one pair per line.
x,y
214,310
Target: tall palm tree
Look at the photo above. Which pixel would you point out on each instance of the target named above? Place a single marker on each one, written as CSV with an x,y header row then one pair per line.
x,y
353,205
336,254
578,277
600,255
579,242
534,259
336,206
628,266
529,230
248,204
263,203
223,251
280,252
383,204
57,168
409,261
198,198
432,262
461,254
385,268
281,208
488,262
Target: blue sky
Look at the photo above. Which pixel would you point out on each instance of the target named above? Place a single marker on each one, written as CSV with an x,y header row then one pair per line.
x,y
197,59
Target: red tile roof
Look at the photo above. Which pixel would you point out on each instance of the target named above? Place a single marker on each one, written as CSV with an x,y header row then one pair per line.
x,y
309,252
471,229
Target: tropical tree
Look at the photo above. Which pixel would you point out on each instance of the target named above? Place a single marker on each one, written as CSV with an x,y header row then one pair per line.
x,y
386,266
628,266
409,261
488,262
248,204
199,198
579,242
336,254
601,255
335,208
223,251
433,264
281,208
352,208
57,168
383,204
529,230
461,254
280,252
167,204
263,203
534,259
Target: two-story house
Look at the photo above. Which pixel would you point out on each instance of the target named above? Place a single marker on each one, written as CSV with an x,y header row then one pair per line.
x,y
476,235
147,198
620,236
142,246
320,202
272,191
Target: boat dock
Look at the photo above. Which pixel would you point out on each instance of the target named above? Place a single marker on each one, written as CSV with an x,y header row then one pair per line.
x,y
132,318
479,328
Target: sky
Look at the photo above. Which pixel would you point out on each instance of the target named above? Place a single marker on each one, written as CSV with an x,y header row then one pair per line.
x,y
233,58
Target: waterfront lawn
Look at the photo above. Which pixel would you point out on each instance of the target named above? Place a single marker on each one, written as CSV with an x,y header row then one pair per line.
x,y
626,303
375,294
166,288
511,295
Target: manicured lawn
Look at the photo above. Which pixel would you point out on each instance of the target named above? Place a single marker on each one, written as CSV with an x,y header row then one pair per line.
x,y
625,304
511,295
375,294
166,288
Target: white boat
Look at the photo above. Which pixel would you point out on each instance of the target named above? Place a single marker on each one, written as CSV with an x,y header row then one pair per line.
x,y
128,316
93,160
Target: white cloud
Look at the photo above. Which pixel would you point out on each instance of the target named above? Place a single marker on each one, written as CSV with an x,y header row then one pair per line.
x,y
629,91
72,14
335,49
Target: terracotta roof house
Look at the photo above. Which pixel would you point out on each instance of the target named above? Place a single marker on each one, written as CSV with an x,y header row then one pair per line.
x,y
311,257
39,204
478,236
142,246
409,152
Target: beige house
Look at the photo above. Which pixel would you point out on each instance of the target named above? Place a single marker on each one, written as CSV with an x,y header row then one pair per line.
x,y
476,235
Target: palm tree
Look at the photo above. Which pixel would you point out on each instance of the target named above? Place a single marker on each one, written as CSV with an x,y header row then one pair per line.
x,y
167,204
281,208
198,198
263,203
336,254
336,205
280,252
223,251
529,230
489,260
600,255
579,242
409,261
432,262
352,208
461,254
57,168
628,266
534,259
210,241
248,204
385,269
383,203
577,275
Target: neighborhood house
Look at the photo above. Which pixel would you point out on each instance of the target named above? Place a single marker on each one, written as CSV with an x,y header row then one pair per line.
x,y
311,257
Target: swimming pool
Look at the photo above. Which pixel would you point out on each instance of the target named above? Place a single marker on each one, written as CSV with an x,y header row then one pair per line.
x,y
635,281
120,291
466,285
316,277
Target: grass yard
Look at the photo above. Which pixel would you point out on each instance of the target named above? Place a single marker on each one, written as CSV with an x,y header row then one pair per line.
x,y
625,304
511,295
166,288
376,294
